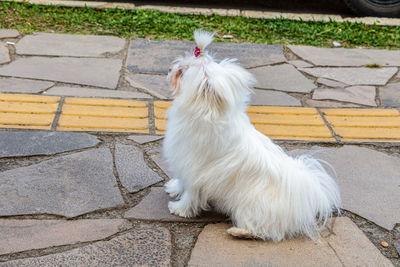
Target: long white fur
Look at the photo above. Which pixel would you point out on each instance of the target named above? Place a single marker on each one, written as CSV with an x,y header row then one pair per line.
x,y
203,38
217,157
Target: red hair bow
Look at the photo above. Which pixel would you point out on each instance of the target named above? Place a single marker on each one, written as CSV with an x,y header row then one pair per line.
x,y
197,52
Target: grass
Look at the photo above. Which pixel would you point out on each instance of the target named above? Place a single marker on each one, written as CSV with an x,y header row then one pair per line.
x,y
28,18
373,66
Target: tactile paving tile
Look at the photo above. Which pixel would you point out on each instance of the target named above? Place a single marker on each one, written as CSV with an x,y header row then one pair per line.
x,y
160,111
27,111
289,123
104,115
364,125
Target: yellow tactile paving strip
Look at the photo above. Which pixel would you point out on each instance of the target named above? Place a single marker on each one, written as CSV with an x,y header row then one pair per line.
x,y
293,123
285,123
160,111
363,125
106,115
116,115
27,111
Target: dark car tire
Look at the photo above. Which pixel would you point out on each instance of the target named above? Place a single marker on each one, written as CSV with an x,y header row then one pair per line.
x,y
377,8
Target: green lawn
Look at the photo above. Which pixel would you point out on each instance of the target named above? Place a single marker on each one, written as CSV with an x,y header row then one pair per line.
x,y
28,18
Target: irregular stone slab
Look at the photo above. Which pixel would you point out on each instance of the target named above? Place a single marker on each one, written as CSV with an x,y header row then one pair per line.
x,y
273,98
4,54
156,85
155,56
354,76
215,247
364,95
330,83
154,207
329,104
69,186
142,247
21,235
382,57
157,157
93,92
353,247
16,85
23,143
51,44
161,163
6,33
300,63
132,169
143,139
282,77
102,72
368,181
390,95
397,246
248,55
346,57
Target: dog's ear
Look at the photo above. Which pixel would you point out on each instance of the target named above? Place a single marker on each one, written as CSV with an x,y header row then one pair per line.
x,y
177,75
174,78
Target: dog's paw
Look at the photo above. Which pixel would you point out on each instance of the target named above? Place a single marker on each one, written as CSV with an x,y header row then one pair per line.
x,y
241,233
176,207
174,188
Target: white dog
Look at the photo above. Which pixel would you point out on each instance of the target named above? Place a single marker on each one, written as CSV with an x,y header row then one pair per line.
x,y
217,157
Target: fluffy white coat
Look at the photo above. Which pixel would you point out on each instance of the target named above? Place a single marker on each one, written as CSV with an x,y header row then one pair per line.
x,y
217,157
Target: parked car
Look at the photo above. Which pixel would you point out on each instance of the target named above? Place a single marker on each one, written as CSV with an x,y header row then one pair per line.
x,y
377,8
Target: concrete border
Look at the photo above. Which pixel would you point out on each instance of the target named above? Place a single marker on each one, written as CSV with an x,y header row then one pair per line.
x,y
220,11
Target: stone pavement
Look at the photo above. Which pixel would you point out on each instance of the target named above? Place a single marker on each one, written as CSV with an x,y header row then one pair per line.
x,y
81,172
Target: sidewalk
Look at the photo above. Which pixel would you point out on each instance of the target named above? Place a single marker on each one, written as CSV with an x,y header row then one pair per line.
x,y
81,174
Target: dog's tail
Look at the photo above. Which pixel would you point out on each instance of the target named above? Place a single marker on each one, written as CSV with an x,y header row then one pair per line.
x,y
203,38
312,187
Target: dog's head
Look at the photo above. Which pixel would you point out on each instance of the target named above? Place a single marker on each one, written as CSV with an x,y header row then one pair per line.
x,y
201,83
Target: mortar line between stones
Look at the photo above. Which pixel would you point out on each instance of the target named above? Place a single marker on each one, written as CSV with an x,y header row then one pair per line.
x,y
65,84
10,54
269,65
377,97
393,76
54,250
63,56
116,174
337,138
281,91
124,59
37,216
43,92
299,57
334,251
57,114
194,243
151,118
174,245
57,83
